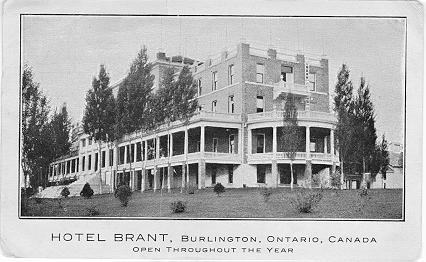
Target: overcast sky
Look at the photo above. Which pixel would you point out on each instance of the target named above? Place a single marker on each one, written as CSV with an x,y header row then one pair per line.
x,y
65,51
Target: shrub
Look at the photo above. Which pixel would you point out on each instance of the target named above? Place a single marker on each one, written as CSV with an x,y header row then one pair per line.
x,y
65,192
266,193
305,201
178,206
92,211
38,200
335,181
219,189
87,191
123,193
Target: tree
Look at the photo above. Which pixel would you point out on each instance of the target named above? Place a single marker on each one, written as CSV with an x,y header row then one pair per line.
x,y
133,96
343,105
383,157
290,132
60,127
364,130
99,115
36,143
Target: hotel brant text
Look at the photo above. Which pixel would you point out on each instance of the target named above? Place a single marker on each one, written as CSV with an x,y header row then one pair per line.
x,y
233,139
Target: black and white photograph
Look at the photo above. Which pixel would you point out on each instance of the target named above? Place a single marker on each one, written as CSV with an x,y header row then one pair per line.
x,y
213,117
177,130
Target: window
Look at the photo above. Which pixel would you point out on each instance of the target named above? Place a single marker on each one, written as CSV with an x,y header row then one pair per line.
x,y
215,144
230,174
199,87
138,151
111,157
90,141
96,161
231,74
83,163
261,173
260,145
89,167
287,74
103,158
73,166
312,82
83,142
231,104
232,144
214,81
214,104
78,161
128,154
260,71
121,155
259,104
132,153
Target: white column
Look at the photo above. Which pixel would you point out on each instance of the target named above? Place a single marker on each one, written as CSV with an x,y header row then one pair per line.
x,y
274,141
240,142
325,145
125,154
186,146
157,147
308,142
332,142
171,145
143,180
202,139
249,146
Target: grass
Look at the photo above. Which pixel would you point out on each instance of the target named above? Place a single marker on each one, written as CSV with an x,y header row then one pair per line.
x,y
233,203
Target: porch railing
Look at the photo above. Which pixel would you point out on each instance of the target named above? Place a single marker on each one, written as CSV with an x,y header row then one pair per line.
x,y
301,115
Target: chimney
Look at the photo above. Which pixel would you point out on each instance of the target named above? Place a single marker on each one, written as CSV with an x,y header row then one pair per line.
x,y
272,53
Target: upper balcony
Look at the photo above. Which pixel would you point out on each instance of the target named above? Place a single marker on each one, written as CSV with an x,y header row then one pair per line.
x,y
289,87
274,116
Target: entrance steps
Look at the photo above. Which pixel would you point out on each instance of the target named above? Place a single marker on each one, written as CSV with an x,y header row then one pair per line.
x,y
76,187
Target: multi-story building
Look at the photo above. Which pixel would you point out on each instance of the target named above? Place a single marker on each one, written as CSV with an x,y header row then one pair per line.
x,y
235,137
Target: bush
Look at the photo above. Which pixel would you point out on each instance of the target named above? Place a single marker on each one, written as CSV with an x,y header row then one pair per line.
x,y
178,206
335,181
87,191
123,193
92,211
266,193
219,189
305,201
65,192
363,193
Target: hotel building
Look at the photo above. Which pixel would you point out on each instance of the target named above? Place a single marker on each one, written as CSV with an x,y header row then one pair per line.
x,y
233,139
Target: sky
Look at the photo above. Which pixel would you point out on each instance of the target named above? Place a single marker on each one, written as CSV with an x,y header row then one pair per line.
x,y
65,51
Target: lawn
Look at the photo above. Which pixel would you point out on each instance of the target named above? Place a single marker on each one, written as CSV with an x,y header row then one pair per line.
x,y
233,203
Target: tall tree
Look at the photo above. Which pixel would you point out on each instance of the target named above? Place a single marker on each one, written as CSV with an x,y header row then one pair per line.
x,y
36,144
384,157
343,105
133,96
290,138
99,115
365,132
60,125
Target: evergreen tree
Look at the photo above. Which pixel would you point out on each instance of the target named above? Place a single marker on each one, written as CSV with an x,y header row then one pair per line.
x,y
384,157
343,105
185,94
99,115
133,96
60,125
36,143
365,132
290,138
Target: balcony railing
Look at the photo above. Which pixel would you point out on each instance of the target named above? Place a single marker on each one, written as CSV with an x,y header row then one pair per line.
x,y
204,115
288,87
301,115
319,157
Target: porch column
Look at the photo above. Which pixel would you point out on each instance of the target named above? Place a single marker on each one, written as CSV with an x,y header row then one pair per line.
x,y
202,139
240,142
171,145
145,157
274,142
157,147
274,173
185,146
132,180
156,175
125,154
332,142
201,173
183,175
308,142
143,172
169,177
308,173
249,146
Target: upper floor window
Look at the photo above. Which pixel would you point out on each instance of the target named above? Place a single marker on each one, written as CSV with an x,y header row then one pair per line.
x,y
83,142
260,71
199,88
231,104
103,158
259,104
90,141
312,82
287,74
111,157
214,105
231,74
214,81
